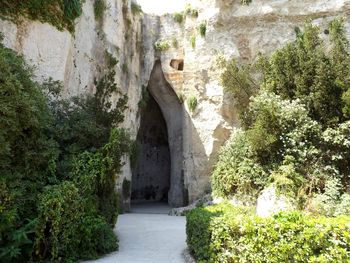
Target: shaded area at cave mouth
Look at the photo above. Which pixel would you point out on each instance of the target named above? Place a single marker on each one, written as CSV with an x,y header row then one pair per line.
x,y
151,175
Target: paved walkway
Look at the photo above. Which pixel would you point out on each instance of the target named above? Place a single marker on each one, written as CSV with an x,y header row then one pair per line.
x,y
149,235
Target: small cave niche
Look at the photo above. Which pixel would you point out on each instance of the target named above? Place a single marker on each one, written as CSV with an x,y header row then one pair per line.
x,y
177,64
151,175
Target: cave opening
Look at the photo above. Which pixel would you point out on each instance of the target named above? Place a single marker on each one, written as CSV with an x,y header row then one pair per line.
x,y
159,174
151,176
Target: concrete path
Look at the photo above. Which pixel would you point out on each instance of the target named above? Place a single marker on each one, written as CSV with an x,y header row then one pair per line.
x,y
149,235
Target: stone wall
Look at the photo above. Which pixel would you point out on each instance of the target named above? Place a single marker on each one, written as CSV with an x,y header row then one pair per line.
x,y
233,30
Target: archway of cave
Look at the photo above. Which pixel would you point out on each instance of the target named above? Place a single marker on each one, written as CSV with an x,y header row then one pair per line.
x,y
158,175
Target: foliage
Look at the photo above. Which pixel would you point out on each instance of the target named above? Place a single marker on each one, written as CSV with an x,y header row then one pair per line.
x,y
60,13
191,11
202,28
238,81
192,103
27,154
237,171
99,9
144,97
136,8
161,45
303,69
58,163
110,60
246,2
224,233
193,41
332,202
178,17
296,123
125,68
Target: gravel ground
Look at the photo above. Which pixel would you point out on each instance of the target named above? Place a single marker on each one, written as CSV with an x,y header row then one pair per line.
x,y
149,235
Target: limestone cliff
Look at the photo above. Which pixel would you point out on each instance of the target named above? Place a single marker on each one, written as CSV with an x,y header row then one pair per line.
x,y
184,70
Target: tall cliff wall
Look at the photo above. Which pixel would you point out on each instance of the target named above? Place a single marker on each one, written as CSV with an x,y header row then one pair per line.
x,y
233,30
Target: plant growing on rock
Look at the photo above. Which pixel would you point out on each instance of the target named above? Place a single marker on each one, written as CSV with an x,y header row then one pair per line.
x,y
99,9
295,122
136,8
202,28
193,41
178,17
59,13
161,45
192,103
246,2
191,11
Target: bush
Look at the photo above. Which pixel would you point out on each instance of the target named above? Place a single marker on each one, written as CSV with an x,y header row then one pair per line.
x,y
178,17
246,2
304,69
202,28
136,8
60,212
193,41
60,13
192,103
99,9
161,45
296,123
27,155
237,172
58,163
191,11
224,233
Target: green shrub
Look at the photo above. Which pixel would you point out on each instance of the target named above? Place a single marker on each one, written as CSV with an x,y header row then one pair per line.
x,y
161,45
193,41
202,28
191,11
304,69
60,211
296,123
110,60
237,172
125,68
58,164
99,9
28,155
60,13
229,234
174,42
332,201
192,103
238,80
178,17
246,2
136,8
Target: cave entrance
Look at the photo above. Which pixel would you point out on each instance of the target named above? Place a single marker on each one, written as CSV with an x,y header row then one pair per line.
x,y
151,176
159,175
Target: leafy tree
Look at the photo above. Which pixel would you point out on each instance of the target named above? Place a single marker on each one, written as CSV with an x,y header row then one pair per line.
x,y
296,123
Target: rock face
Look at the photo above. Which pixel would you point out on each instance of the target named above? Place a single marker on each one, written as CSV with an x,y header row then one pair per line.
x,y
187,69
